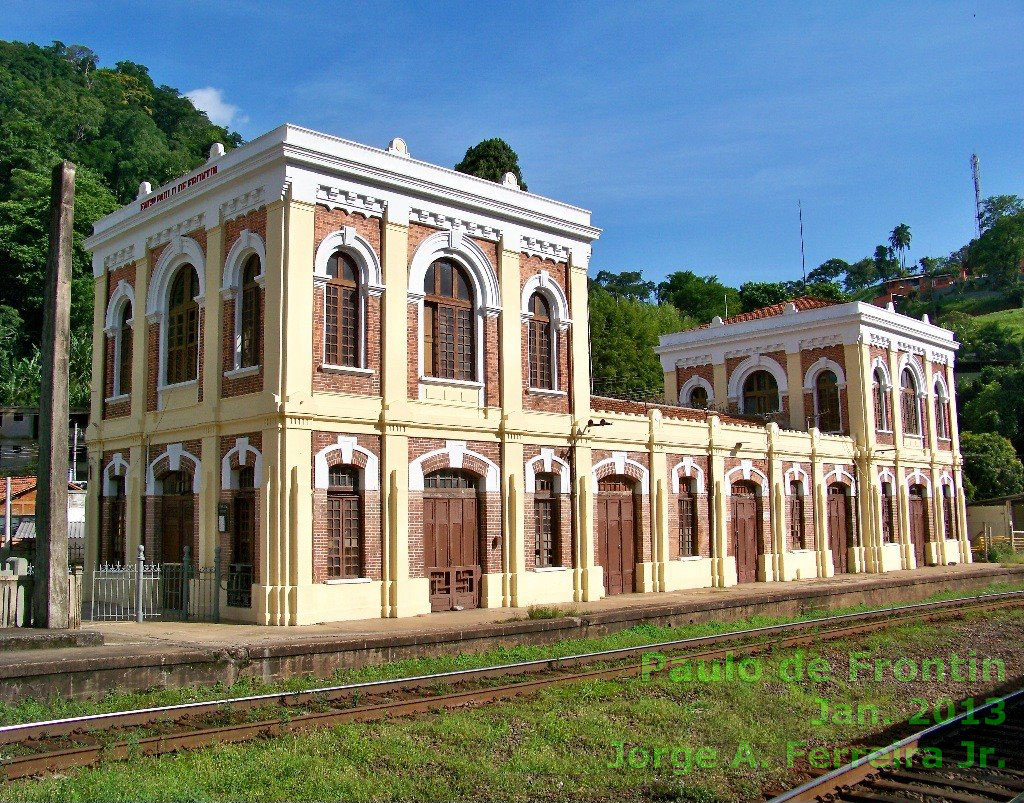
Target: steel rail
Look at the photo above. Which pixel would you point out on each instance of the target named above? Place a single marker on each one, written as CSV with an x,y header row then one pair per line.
x,y
833,782
135,717
35,764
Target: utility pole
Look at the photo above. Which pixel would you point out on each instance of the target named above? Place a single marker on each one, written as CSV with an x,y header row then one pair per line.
x,y
803,259
51,596
976,176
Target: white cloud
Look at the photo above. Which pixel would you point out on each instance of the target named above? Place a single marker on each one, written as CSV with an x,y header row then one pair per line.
x,y
211,100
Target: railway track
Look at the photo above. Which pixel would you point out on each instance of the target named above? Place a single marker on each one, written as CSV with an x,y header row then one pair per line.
x,y
982,761
39,747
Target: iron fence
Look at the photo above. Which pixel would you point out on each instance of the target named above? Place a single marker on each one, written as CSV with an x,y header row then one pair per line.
x,y
182,591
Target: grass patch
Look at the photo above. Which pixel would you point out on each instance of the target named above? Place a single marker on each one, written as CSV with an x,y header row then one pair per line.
x,y
552,612
31,710
1011,319
562,743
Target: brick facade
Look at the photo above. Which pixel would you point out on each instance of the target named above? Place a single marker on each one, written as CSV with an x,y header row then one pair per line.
x,y
642,506
702,500
152,506
533,399
369,507
490,515
565,549
809,357
325,222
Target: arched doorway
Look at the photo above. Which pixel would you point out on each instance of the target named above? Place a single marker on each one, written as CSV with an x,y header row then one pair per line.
x,y
176,525
451,539
840,521
616,533
746,529
243,539
919,530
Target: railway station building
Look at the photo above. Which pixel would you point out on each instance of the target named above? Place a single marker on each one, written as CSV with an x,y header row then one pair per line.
x,y
363,382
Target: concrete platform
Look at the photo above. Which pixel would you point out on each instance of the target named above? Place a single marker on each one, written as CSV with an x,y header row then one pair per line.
x,y
31,638
176,654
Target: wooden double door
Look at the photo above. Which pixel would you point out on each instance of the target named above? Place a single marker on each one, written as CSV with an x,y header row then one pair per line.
x,y
840,523
617,534
745,521
920,532
451,547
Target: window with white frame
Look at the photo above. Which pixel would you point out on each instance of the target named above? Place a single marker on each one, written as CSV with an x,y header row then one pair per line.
x,y
183,327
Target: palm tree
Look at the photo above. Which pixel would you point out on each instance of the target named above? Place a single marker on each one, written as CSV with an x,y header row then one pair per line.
x,y
899,242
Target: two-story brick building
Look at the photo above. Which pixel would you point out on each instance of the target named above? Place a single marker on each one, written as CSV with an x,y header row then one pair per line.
x,y
366,379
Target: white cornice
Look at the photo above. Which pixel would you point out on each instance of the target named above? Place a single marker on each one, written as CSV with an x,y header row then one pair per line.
x,y
241,204
119,258
290,149
440,220
543,248
182,227
339,198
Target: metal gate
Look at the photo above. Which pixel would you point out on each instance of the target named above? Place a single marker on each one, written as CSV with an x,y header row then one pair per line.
x,y
182,591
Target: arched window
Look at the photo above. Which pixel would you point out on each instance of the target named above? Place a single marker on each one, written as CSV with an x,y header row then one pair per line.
x,y
949,512
344,524
183,327
760,394
449,333
826,391
541,345
123,378
341,318
546,523
249,317
795,513
880,392
698,397
941,412
888,514
909,406
687,518
115,546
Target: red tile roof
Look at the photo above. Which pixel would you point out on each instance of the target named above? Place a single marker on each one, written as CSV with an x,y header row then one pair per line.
x,y
19,485
802,303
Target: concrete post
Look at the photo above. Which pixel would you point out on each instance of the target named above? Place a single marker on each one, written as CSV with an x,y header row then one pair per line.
x,y
51,591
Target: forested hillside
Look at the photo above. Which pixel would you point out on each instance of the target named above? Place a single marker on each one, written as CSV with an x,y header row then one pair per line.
x,y
120,128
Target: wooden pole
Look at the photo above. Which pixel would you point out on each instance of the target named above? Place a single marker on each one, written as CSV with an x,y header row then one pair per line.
x,y
51,593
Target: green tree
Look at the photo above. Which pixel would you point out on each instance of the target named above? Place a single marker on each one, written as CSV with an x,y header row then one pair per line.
x,y
991,466
491,159
997,207
699,297
861,274
994,402
899,242
885,266
754,295
623,334
829,271
120,128
999,252
628,284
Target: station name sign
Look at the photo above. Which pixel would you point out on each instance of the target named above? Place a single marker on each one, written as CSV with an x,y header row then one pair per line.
x,y
179,187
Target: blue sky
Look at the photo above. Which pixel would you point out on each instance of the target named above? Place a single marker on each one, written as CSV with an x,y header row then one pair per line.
x,y
690,130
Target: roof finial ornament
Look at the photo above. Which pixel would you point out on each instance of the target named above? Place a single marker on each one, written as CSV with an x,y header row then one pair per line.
x,y
216,151
398,147
145,188
510,180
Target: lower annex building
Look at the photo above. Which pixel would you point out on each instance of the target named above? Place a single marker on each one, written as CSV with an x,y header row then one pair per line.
x,y
363,382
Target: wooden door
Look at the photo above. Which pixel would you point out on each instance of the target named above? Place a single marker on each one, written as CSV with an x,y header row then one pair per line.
x,y
919,530
616,534
175,527
746,530
839,527
245,527
451,548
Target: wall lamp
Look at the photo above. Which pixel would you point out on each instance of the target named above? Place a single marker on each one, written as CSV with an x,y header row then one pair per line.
x,y
604,422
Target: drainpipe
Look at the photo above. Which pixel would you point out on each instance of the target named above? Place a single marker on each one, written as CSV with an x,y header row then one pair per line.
x,y
8,535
